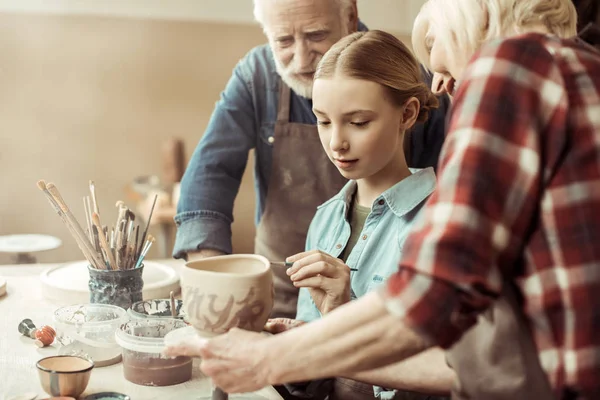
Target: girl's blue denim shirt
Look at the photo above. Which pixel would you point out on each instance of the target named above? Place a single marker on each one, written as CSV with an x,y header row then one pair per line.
x,y
375,256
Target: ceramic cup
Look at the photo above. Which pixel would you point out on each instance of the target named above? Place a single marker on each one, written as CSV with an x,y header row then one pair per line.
x,y
64,375
224,292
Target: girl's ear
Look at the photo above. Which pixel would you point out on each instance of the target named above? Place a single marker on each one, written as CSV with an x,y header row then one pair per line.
x,y
410,113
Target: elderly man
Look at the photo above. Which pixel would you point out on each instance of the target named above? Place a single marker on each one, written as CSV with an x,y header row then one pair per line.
x,y
267,107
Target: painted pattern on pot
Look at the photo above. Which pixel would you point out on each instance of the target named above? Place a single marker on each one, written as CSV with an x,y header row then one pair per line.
x,y
220,293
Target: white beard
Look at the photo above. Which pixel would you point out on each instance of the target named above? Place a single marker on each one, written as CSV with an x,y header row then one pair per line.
x,y
288,74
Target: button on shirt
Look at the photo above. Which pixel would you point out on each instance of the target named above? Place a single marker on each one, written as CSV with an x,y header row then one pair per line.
x,y
244,119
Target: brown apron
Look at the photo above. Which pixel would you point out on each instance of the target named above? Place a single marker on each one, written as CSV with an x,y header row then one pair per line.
x,y
497,359
302,178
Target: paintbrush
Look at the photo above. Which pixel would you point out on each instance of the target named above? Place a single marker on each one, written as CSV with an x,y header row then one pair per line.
x,y
112,264
148,222
172,302
285,264
88,221
53,190
94,201
145,250
42,185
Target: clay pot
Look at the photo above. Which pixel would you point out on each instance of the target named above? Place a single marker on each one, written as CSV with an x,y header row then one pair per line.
x,y
64,375
220,293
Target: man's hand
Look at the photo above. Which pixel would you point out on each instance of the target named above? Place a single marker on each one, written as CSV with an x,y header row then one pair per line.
x,y
236,361
327,278
279,325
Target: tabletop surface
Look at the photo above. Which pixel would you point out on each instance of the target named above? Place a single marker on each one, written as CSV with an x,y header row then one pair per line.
x,y
18,354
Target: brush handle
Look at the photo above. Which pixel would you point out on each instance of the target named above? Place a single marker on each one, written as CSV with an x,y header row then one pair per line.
x,y
60,206
103,243
148,222
93,194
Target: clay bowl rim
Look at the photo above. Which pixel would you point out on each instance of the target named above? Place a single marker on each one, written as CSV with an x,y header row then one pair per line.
x,y
121,312
52,371
265,262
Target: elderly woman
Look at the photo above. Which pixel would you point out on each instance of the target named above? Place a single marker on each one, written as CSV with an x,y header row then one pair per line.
x,y
507,248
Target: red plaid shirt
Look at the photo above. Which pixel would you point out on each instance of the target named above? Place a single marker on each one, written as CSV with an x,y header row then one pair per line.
x,y
518,197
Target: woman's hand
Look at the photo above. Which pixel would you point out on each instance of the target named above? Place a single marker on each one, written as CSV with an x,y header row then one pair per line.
x,y
279,325
236,361
327,278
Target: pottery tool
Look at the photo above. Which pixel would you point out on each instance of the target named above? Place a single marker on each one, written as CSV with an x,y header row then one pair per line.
x,y
116,248
69,219
145,250
94,201
285,264
148,221
27,328
172,300
88,219
112,264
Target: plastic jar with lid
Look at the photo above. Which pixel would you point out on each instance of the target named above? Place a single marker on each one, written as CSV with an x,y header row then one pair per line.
x,y
142,341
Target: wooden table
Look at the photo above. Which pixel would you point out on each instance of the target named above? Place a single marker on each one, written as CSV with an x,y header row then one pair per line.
x,y
18,354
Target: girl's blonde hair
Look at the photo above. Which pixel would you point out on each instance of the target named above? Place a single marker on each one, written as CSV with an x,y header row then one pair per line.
x,y
467,24
379,57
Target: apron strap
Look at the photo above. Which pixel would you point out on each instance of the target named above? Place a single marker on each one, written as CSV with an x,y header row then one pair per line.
x,y
283,108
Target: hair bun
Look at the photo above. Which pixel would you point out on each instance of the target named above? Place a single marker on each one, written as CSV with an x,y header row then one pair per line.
x,y
429,101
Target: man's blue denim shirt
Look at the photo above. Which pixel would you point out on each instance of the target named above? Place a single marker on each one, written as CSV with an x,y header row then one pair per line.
x,y
244,119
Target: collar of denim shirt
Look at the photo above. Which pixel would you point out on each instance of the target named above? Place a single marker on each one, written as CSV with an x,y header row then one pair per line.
x,y
400,198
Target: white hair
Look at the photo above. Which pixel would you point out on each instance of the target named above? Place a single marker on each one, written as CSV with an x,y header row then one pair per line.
x,y
346,7
467,24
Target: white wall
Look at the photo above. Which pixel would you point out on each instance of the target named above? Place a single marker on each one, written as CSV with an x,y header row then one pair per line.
x,y
391,15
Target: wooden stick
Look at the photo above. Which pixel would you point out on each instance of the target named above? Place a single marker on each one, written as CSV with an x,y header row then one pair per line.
x,y
135,248
112,264
42,185
145,250
172,301
88,221
148,221
93,232
73,221
94,200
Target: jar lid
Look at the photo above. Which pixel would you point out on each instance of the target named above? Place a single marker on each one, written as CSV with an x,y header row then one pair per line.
x,y
146,335
107,396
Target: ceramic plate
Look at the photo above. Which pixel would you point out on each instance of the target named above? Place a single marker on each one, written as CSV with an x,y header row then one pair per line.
x,y
28,243
68,283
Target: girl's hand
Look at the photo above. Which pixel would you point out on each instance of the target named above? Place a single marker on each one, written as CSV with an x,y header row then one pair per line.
x,y
327,278
279,325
